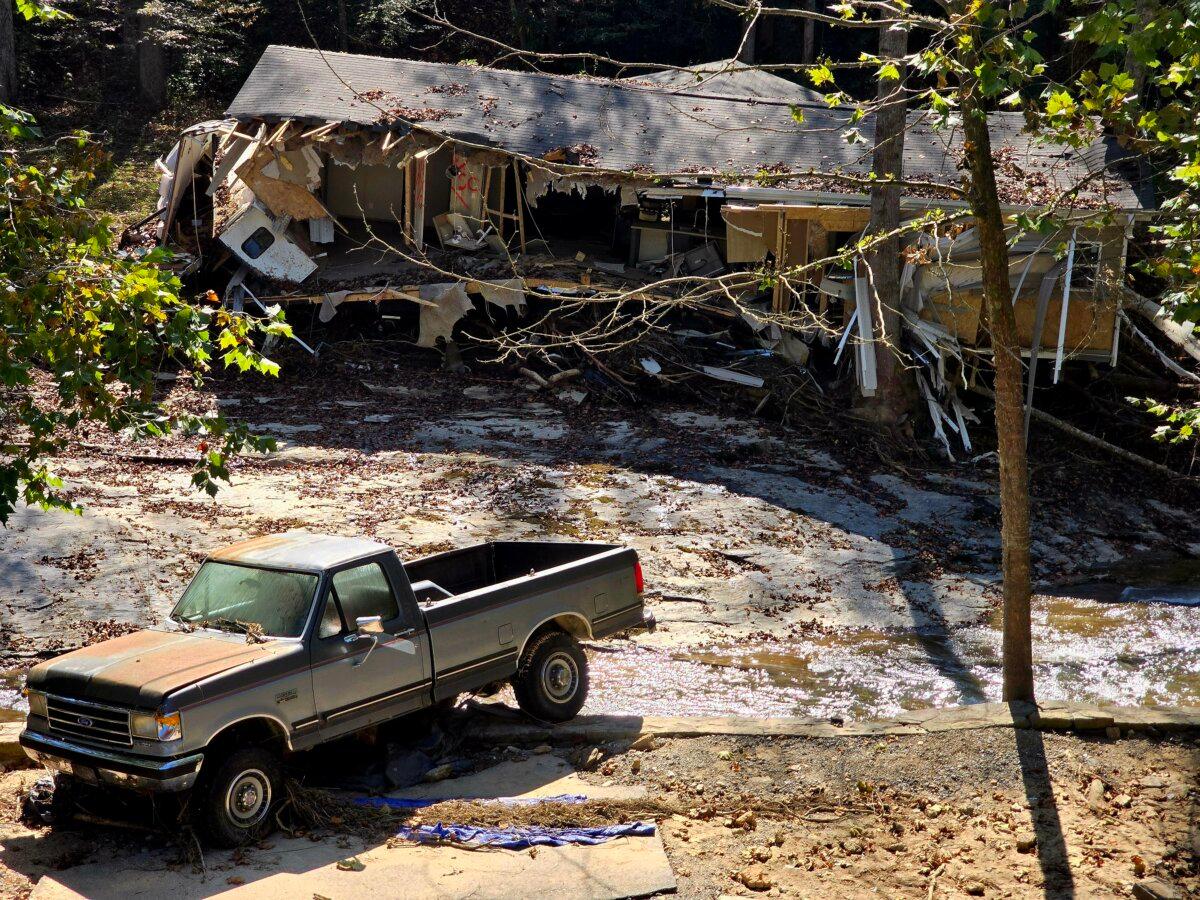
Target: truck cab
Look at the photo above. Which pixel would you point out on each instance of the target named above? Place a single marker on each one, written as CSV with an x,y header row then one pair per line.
x,y
286,641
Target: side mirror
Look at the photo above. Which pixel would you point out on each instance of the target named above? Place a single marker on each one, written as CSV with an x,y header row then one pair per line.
x,y
369,625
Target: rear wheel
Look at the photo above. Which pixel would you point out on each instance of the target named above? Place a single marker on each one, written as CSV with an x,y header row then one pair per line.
x,y
238,802
552,678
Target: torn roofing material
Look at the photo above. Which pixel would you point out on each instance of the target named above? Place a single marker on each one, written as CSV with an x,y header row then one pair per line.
x,y
633,128
727,78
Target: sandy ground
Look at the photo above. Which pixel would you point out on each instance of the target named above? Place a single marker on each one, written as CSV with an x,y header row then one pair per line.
x,y
785,560
993,813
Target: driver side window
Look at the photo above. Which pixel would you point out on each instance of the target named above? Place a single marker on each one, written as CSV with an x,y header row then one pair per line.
x,y
364,591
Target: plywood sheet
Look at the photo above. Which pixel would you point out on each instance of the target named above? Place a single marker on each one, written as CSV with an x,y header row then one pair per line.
x,y
1090,322
298,867
283,198
958,312
749,232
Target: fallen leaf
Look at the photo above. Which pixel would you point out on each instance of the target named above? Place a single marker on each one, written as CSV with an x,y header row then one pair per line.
x,y
353,864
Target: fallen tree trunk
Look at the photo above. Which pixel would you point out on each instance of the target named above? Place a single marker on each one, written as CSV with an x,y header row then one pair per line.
x,y
1081,435
1161,319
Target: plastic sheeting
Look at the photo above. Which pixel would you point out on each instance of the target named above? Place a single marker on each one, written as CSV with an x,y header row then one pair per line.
x,y
523,838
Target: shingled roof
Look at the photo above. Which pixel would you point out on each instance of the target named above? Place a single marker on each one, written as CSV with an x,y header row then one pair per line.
x,y
726,78
639,128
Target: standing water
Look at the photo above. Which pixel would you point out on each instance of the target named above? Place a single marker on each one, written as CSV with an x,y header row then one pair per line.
x,y
1136,645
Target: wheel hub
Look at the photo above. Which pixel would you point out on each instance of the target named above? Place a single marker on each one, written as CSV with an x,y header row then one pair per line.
x,y
249,798
560,677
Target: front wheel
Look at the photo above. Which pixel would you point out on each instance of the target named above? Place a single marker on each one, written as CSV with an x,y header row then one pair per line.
x,y
238,802
552,678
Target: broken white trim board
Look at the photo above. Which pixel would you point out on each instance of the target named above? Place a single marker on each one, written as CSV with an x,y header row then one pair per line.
x,y
179,169
1065,309
868,376
735,377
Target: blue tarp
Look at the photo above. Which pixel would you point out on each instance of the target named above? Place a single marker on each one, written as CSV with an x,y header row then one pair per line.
x,y
523,838
403,803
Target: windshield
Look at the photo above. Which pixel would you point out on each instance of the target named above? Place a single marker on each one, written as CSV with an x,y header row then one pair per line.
x,y
242,598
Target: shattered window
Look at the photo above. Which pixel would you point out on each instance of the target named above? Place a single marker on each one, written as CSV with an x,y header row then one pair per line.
x,y
258,243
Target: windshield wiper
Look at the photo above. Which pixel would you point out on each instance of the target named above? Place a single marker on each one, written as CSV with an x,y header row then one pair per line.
x,y
252,630
221,623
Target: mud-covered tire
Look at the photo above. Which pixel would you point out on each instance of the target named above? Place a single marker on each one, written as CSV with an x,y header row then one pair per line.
x,y
239,797
552,677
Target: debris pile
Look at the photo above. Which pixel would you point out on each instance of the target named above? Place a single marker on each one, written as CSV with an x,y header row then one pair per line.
x,y
547,245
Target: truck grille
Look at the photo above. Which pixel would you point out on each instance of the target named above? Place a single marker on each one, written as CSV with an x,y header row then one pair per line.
x,y
89,721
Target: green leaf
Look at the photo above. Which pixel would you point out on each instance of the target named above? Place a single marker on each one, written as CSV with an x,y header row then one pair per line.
x,y
820,75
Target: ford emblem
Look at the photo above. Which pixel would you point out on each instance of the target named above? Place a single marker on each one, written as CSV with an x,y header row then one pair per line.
x,y
85,722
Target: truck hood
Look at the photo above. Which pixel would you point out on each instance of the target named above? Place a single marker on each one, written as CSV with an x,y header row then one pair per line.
x,y
142,668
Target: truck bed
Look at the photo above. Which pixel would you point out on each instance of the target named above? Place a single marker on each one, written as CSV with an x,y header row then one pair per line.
x,y
482,602
484,565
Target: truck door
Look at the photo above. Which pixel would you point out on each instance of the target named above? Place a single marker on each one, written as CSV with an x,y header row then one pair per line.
x,y
361,680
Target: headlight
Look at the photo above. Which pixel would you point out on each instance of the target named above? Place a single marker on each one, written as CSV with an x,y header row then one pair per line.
x,y
158,727
37,703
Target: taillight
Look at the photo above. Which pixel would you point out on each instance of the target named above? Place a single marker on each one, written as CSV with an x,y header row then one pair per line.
x,y
638,584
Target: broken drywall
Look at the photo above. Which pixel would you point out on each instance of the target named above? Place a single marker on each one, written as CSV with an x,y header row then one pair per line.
x,y
450,303
540,182
442,305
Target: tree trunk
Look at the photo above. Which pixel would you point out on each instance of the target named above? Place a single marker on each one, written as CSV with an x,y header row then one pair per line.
x,y
807,48
1010,419
8,54
894,396
343,27
151,62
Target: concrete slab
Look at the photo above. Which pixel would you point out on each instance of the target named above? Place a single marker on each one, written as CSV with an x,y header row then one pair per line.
x,y
625,867
542,775
11,754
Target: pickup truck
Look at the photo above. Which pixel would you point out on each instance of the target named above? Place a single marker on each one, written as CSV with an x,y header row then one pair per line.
x,y
284,642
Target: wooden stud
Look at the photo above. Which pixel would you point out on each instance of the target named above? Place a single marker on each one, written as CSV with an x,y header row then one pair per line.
x,y
408,201
418,203
279,133
780,251
520,204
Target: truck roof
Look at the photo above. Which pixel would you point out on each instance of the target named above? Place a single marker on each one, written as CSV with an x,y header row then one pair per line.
x,y
298,550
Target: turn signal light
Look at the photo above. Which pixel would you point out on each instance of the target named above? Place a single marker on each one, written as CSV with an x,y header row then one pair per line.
x,y
639,584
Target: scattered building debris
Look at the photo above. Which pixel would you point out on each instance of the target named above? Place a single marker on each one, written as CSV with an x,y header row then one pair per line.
x,y
573,224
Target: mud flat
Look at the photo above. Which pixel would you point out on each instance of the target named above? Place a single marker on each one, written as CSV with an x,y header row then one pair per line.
x,y
790,576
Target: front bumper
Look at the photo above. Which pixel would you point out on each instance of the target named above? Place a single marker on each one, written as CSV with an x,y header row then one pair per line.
x,y
96,766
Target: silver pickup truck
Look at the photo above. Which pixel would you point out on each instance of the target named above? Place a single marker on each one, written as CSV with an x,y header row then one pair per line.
x,y
284,642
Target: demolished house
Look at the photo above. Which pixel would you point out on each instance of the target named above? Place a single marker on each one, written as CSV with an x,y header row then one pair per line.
x,y
447,189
